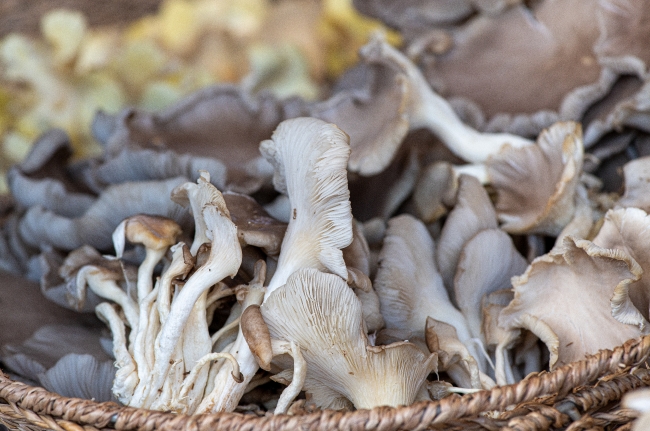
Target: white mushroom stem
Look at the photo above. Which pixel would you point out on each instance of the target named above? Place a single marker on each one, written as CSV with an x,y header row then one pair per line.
x,y
224,260
126,377
228,391
179,266
95,278
191,379
142,351
299,373
428,110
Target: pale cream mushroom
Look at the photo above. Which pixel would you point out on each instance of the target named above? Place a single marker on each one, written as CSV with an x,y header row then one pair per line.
x,y
408,284
453,356
472,213
486,264
628,230
156,234
321,314
497,337
426,109
310,159
547,204
575,272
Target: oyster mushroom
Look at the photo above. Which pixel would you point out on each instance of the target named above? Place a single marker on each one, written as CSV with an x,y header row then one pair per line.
x,y
409,287
575,272
342,367
543,206
472,213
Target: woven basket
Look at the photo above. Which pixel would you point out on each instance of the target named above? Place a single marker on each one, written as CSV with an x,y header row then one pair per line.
x,y
583,395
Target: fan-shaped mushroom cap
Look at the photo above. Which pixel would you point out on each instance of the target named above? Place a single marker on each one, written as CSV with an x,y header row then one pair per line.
x,y
472,213
310,159
637,184
546,204
575,272
486,264
321,314
408,284
628,230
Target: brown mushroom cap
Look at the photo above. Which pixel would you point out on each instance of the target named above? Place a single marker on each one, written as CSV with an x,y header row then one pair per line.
x,y
254,225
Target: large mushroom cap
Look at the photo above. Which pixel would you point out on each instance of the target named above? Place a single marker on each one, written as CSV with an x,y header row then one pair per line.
x,y
321,314
576,272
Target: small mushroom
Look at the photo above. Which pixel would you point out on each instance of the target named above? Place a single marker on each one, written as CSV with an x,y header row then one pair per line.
x,y
409,287
156,234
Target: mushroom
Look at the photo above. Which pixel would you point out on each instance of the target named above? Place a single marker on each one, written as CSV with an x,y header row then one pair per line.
x,y
453,356
626,230
224,260
310,157
426,109
156,234
637,178
486,264
238,120
497,337
575,272
357,259
472,213
342,367
409,287
258,338
39,227
254,225
544,206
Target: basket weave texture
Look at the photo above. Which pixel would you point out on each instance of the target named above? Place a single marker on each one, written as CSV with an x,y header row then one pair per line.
x,y
583,395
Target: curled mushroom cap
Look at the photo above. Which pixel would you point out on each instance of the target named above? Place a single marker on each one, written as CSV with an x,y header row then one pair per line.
x,y
628,230
326,323
546,205
575,272
310,159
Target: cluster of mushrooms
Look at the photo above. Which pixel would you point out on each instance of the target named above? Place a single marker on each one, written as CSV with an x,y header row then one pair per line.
x,y
378,247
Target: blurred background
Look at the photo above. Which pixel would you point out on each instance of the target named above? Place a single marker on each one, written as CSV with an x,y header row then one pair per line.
x,y
62,60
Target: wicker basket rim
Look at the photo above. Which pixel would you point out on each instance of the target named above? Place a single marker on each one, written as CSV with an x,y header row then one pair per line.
x,y
109,415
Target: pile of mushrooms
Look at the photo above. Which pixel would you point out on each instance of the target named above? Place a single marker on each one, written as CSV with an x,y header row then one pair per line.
x,y
373,248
